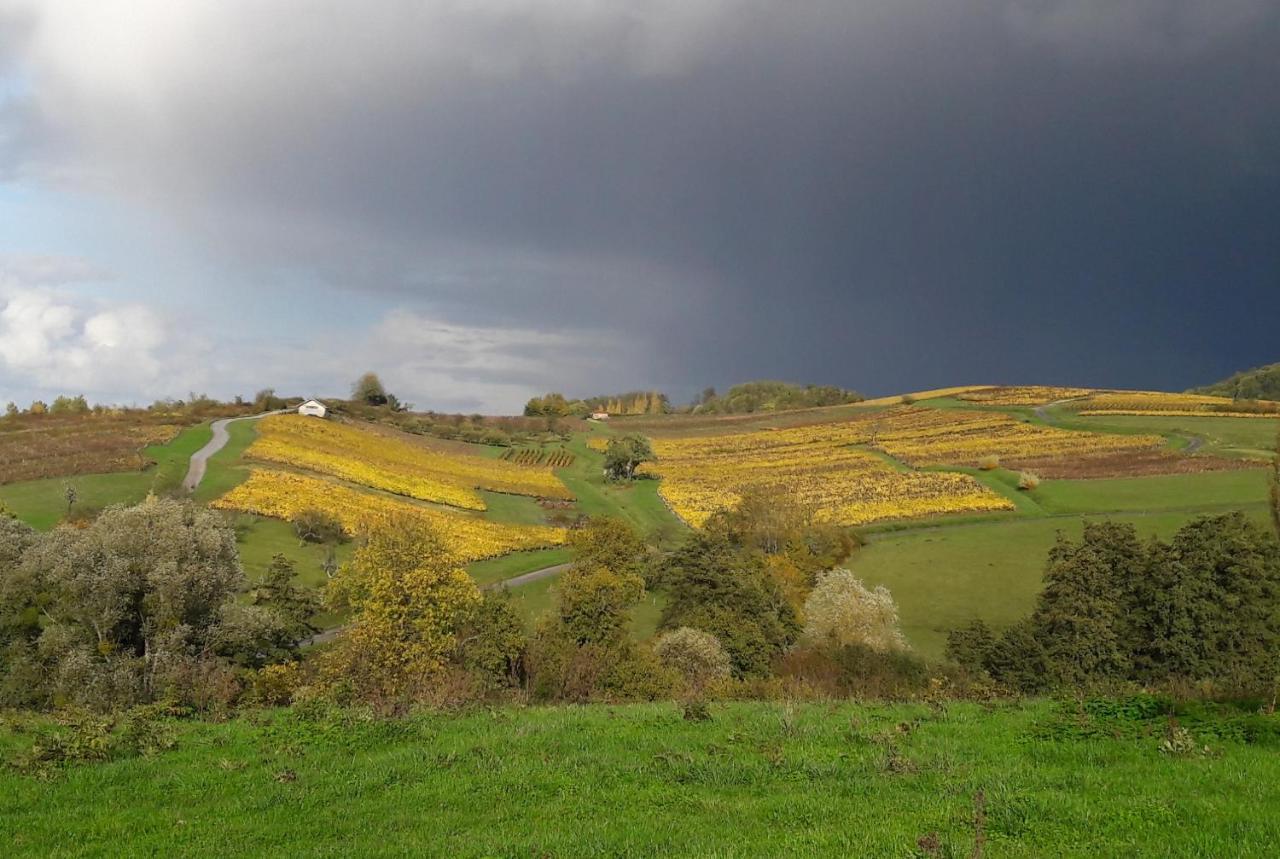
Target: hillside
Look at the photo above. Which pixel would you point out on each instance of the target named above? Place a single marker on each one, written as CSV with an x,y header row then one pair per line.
x,y
929,480
1260,383
759,779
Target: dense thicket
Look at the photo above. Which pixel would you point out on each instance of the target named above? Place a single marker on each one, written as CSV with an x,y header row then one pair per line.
x,y
137,605
1201,608
766,396
1260,383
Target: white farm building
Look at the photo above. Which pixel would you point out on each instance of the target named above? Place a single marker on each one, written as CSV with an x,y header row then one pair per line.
x,y
313,408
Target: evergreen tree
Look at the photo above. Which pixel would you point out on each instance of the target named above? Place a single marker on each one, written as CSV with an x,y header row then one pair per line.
x,y
1018,660
729,592
1235,565
1078,618
970,646
1275,487
294,605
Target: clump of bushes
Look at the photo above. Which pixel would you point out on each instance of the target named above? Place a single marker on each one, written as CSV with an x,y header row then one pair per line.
x,y
317,526
1028,480
990,462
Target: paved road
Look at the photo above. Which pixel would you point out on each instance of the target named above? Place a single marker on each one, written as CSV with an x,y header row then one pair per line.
x,y
200,459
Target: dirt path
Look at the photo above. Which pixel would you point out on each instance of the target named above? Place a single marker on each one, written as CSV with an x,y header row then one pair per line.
x,y
200,459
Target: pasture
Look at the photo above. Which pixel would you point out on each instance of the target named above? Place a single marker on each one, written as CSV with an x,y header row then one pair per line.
x,y
759,779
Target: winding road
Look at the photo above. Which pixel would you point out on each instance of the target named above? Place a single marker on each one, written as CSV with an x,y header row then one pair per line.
x,y
200,463
200,459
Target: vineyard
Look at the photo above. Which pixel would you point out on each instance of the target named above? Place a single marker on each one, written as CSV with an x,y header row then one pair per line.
x,y
383,462
813,465
840,467
283,495
1155,403
54,447
534,457
1023,395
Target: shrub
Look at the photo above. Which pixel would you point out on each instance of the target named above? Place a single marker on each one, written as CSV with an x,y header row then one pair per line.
x,y
990,462
908,399
842,611
696,655
970,646
317,526
1028,480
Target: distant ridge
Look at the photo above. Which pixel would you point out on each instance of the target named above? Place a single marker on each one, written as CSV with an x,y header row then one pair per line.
x,y
1260,383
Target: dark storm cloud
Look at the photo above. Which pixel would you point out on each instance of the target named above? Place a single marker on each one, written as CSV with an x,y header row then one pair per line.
x,y
880,194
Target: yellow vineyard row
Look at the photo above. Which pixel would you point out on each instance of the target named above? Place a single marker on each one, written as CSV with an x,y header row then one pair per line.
x,y
283,495
383,462
1024,395
1155,403
845,486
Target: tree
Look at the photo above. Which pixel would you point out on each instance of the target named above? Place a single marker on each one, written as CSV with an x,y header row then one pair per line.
x,y
552,405
295,606
1017,659
65,405
368,389
608,542
1079,613
11,409
267,401
408,597
1275,487
136,600
841,611
727,591
625,454
970,646
1232,566
773,521
492,641
593,603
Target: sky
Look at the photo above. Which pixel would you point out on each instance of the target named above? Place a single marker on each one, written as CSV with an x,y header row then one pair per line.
x,y
487,200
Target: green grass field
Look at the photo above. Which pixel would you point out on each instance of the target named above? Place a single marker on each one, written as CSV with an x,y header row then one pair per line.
x,y
759,779
637,502
1223,436
944,577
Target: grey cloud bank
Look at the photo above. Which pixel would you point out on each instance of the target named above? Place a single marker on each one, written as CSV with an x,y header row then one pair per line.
x,y
883,195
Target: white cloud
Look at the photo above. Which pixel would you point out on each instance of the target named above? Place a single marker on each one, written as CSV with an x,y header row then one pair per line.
x,y
429,362
59,343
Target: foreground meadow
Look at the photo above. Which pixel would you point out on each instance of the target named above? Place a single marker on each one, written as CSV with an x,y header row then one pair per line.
x,y
760,779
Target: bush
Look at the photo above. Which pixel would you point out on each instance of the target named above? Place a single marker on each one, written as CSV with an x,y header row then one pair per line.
x,y
990,462
908,400
317,526
841,610
696,655
1028,480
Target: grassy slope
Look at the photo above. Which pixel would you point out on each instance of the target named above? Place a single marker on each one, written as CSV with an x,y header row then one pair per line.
x,y
944,577
636,502
760,779
1223,436
42,503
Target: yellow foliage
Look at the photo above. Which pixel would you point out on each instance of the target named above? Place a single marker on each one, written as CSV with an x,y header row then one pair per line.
x,y
408,598
383,462
283,495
